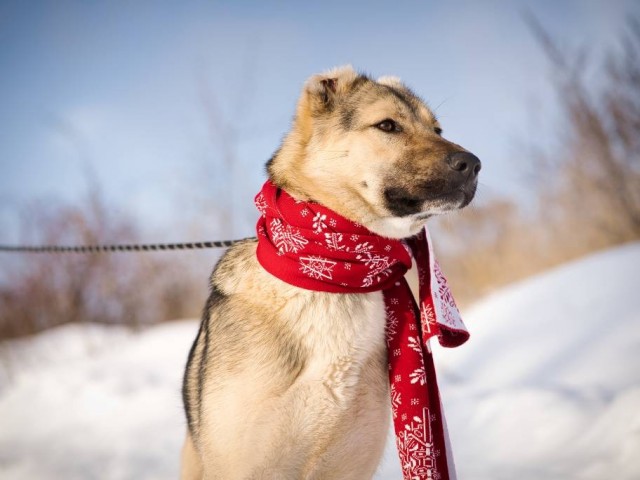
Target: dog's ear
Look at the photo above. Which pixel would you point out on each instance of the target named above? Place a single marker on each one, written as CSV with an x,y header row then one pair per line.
x,y
391,81
322,91
319,96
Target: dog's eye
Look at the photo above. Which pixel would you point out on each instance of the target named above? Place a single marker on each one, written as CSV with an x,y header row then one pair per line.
x,y
438,131
389,126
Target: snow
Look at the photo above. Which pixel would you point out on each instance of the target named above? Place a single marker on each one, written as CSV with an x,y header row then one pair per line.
x,y
549,384
547,387
113,413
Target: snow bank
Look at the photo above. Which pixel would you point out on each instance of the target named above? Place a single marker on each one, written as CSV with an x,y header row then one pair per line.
x,y
547,387
549,384
113,413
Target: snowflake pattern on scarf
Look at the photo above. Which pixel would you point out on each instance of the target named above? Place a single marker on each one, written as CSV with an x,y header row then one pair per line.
x,y
416,449
379,267
261,204
427,317
444,300
317,267
396,401
287,238
391,328
334,241
318,222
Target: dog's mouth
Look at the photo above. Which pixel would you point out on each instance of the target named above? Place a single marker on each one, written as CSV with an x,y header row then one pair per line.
x,y
402,203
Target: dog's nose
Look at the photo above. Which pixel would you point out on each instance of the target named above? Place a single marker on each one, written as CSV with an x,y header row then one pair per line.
x,y
464,162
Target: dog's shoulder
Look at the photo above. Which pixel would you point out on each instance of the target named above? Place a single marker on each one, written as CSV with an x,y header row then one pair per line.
x,y
238,262
240,276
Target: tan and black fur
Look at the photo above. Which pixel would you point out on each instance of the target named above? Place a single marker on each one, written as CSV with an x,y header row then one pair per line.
x,y
286,383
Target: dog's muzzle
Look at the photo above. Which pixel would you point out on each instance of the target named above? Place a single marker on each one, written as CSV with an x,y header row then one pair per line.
x,y
454,188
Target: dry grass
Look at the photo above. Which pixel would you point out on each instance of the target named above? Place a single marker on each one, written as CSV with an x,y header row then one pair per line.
x,y
42,291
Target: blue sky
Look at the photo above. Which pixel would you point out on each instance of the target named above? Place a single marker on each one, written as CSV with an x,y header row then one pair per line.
x,y
126,89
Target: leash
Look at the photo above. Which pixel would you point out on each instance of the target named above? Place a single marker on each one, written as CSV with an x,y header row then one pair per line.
x,y
151,247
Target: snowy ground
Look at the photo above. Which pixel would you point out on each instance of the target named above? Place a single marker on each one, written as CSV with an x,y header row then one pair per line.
x,y
547,387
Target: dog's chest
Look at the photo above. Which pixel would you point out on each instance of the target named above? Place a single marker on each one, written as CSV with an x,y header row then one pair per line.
x,y
341,333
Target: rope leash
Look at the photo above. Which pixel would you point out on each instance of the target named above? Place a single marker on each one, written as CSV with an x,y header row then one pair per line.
x,y
120,248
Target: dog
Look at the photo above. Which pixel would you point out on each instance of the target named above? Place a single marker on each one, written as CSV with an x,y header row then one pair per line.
x,y
288,383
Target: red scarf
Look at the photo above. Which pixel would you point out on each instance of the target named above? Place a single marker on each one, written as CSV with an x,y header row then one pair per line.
x,y
312,247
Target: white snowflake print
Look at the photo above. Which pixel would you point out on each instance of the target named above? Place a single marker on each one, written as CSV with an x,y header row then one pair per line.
x,y
333,223
387,248
415,447
414,344
415,401
318,222
428,317
396,400
418,376
317,267
304,212
334,242
354,237
287,238
378,267
261,204
363,247
391,328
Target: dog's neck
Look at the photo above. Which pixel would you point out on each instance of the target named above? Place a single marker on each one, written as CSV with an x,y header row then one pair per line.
x,y
284,167
285,171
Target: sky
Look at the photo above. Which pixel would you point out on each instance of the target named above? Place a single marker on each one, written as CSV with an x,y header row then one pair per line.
x,y
169,105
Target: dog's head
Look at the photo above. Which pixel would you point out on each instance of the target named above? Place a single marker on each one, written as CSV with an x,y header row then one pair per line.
x,y
373,152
